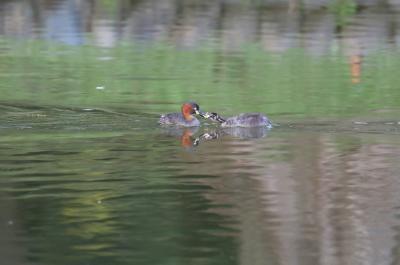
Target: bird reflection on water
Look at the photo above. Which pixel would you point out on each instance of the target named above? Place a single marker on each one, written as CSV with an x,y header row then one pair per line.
x,y
185,134
237,132
188,139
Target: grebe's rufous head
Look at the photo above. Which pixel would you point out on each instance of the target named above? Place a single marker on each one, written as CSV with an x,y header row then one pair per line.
x,y
190,108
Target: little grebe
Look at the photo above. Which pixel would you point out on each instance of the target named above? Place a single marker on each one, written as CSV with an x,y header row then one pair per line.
x,y
185,118
241,120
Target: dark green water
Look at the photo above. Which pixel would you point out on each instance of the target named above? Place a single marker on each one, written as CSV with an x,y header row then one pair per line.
x,y
87,176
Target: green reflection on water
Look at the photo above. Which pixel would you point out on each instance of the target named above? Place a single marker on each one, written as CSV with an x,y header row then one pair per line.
x,y
343,11
110,199
144,79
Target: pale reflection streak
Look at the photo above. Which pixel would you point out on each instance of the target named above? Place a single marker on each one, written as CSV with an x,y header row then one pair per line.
x,y
364,193
332,199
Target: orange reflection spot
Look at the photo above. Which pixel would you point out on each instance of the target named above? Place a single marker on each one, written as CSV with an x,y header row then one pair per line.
x,y
355,68
186,138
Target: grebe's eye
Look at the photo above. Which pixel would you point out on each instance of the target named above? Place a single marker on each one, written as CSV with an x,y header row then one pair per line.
x,y
195,108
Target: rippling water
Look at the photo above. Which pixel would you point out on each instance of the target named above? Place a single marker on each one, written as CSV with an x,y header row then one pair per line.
x,y
98,187
87,176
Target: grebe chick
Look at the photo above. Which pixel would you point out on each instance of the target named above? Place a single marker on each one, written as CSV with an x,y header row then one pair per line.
x,y
185,118
242,120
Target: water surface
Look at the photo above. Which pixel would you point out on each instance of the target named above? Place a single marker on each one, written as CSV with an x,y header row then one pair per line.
x,y
87,176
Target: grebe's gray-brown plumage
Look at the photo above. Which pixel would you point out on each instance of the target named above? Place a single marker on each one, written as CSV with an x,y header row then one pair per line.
x,y
242,120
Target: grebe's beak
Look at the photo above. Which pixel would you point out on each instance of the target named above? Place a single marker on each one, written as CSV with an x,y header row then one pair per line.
x,y
201,114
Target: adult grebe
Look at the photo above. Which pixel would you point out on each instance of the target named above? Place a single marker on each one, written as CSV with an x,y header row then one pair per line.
x,y
185,118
